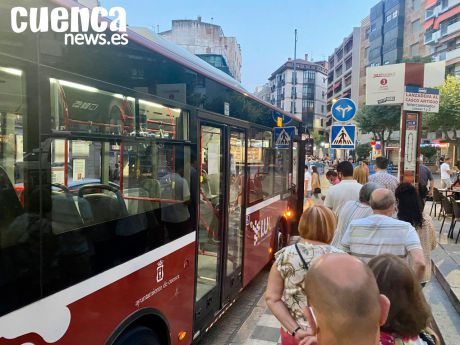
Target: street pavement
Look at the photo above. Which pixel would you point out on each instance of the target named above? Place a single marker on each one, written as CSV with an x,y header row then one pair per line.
x,y
249,322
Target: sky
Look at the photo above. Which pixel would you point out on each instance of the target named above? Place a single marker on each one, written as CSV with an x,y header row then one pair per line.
x,y
263,28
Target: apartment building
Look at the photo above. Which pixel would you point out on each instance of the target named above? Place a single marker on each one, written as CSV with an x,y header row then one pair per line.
x,y
208,42
344,67
442,32
302,93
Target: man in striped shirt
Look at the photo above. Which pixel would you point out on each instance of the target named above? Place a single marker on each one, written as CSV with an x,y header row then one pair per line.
x,y
382,176
382,234
354,210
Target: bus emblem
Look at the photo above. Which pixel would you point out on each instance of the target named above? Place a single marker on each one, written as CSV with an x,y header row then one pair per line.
x,y
160,271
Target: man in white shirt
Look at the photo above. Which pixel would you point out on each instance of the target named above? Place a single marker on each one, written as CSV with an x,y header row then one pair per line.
x,y
354,210
381,234
445,174
348,189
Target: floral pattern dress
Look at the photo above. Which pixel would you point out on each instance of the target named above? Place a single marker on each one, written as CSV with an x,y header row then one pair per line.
x,y
292,270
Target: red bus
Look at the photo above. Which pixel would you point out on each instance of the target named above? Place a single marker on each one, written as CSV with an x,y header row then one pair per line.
x,y
132,209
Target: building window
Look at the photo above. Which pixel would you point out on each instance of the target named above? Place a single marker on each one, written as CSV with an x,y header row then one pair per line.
x,y
309,76
308,91
429,13
322,112
308,105
416,26
414,50
416,4
366,53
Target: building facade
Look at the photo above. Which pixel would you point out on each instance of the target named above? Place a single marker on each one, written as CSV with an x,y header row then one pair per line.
x,y
207,41
413,30
263,92
302,93
442,32
386,34
343,76
363,60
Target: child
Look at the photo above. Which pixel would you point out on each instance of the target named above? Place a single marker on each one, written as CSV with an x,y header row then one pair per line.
x,y
317,197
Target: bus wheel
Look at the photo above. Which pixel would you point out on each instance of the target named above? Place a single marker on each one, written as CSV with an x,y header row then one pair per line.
x,y
281,240
139,335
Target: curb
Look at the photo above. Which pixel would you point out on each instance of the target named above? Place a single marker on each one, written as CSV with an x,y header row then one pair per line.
x,y
441,262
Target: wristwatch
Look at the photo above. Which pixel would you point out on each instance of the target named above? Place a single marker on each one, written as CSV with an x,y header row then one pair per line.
x,y
295,331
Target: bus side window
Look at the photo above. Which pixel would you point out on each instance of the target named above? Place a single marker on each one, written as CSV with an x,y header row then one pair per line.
x,y
20,227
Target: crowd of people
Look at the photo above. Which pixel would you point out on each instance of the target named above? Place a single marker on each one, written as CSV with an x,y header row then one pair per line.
x,y
356,274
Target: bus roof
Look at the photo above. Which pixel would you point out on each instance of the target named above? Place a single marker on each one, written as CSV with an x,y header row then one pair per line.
x,y
187,59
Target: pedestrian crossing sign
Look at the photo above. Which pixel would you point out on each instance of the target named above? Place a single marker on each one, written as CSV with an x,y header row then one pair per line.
x,y
283,137
343,137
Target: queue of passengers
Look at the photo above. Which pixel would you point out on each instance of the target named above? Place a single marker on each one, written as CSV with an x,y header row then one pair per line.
x,y
356,274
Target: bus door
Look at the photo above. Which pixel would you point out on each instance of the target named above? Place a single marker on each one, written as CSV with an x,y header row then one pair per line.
x,y
221,163
211,172
234,234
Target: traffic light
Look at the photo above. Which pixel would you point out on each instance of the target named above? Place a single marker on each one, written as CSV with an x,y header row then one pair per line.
x,y
279,122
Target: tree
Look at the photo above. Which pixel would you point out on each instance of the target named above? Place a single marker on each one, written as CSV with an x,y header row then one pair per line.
x,y
380,120
448,119
428,152
363,151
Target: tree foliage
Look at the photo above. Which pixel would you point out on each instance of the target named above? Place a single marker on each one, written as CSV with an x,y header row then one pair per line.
x,y
448,118
380,120
363,151
428,152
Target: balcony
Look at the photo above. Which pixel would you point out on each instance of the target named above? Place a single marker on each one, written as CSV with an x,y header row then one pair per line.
x,y
453,28
452,54
348,64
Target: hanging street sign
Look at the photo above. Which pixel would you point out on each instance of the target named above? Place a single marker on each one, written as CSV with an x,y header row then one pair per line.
x,y
283,137
343,110
343,137
421,99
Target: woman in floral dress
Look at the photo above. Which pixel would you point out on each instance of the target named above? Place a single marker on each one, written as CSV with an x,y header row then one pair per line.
x,y
285,294
410,315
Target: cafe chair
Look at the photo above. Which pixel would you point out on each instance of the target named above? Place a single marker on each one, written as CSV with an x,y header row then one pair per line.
x,y
447,212
437,195
456,218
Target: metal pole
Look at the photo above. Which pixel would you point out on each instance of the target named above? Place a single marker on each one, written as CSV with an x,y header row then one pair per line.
x,y
294,80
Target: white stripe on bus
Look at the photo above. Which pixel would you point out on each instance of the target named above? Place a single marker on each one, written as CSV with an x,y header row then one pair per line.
x,y
262,204
50,317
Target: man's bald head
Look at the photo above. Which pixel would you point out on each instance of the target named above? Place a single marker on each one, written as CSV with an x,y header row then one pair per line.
x,y
345,297
382,199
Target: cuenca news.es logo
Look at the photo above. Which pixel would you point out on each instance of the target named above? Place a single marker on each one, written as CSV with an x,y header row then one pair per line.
x,y
76,24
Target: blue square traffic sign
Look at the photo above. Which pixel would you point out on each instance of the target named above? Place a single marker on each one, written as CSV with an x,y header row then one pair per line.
x,y
283,136
343,137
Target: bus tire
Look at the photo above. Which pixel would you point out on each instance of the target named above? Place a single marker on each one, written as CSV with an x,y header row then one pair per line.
x,y
139,335
282,235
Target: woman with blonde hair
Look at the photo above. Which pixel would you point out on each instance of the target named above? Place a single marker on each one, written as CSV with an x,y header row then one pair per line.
x,y
285,295
361,175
